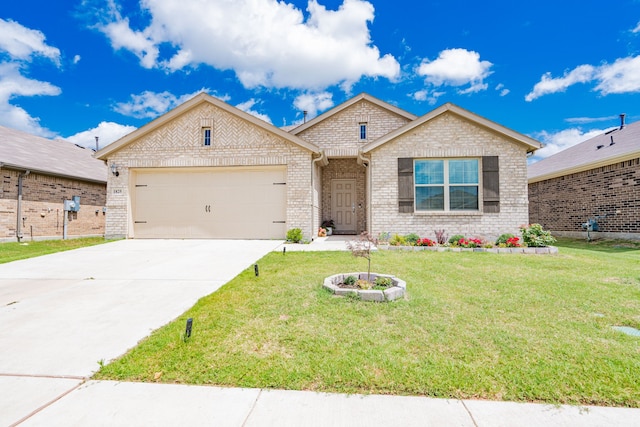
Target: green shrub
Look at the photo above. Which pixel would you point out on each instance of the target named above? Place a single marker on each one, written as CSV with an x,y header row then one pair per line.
x,y
533,235
412,238
502,240
383,282
294,235
455,239
350,280
397,240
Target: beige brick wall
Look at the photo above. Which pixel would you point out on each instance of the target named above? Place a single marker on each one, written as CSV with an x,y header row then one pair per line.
x,y
340,133
448,136
235,142
43,210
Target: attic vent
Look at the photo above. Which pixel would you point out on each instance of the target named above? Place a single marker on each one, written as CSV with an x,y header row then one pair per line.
x,y
599,147
206,122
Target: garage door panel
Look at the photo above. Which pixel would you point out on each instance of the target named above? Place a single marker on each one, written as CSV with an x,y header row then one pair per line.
x,y
210,203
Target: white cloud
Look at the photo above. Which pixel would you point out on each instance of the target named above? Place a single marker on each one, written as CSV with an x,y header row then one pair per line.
x,y
586,120
265,42
107,132
637,28
247,107
18,45
152,104
313,102
22,42
503,91
555,142
14,84
76,59
457,67
623,76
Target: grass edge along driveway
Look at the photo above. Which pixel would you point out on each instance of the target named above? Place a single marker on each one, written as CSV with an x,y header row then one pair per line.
x,y
534,328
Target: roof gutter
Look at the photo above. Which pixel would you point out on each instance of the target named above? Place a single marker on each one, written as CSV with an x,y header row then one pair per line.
x,y
49,173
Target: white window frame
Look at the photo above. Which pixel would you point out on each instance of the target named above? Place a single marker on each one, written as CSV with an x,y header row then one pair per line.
x,y
446,185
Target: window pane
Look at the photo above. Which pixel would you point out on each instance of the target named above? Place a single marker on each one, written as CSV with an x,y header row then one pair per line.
x,y
463,197
363,131
206,133
429,171
463,171
430,198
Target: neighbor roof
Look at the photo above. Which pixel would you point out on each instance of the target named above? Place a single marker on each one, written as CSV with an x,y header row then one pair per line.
x,y
23,151
193,102
610,147
349,103
530,143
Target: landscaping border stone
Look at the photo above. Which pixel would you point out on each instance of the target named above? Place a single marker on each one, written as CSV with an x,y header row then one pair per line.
x,y
522,250
390,294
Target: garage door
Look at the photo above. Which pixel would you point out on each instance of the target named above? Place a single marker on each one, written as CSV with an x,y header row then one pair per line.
x,y
201,203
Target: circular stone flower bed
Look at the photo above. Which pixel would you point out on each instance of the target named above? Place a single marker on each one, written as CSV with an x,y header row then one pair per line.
x,y
337,286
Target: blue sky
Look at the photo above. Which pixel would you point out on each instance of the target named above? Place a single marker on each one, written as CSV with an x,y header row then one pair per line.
x,y
559,72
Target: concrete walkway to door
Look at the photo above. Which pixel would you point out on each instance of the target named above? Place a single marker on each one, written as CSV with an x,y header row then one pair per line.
x,y
62,314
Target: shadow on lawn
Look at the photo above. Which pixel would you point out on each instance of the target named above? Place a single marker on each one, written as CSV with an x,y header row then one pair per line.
x,y
599,245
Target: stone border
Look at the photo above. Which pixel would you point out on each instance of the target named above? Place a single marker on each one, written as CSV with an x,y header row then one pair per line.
x,y
523,250
389,294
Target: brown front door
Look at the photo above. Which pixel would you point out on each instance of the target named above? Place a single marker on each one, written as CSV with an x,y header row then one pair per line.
x,y
343,205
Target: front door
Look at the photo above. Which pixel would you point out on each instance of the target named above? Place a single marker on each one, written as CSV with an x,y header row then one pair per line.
x,y
343,205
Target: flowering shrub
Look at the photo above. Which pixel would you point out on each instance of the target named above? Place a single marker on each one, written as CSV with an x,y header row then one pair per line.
x,y
469,243
533,235
425,242
513,242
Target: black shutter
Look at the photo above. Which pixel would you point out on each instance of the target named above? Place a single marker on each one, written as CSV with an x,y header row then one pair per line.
x,y
490,184
405,185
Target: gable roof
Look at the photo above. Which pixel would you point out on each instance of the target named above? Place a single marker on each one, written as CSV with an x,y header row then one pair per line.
x,y
349,103
190,104
530,143
23,151
586,155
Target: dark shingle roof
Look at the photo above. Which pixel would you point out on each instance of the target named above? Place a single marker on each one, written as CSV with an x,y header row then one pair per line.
x,y
587,155
21,150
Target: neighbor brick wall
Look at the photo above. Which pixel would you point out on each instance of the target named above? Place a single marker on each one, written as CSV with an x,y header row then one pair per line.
x,y
566,202
449,136
42,206
235,142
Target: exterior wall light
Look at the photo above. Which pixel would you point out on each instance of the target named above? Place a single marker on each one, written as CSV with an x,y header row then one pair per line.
x,y
114,169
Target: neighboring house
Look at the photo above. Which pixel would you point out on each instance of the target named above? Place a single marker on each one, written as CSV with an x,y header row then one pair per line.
x,y
598,180
209,170
38,175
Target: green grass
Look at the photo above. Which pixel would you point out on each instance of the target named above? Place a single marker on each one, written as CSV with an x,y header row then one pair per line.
x,y
531,328
13,251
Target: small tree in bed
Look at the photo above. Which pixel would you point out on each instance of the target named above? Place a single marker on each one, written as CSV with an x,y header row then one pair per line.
x,y
362,248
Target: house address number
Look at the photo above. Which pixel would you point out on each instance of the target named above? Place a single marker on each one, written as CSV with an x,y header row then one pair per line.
x,y
117,191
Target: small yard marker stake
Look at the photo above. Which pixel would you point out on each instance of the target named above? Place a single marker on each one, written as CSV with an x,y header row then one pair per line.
x,y
284,250
255,268
187,331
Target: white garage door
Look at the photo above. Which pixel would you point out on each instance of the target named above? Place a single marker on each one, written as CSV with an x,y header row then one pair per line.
x,y
202,203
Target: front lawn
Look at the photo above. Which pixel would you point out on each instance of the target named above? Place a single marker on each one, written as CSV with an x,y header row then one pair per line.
x,y
474,325
12,251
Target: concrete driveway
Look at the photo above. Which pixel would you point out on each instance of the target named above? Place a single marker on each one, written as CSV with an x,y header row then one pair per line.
x,y
62,314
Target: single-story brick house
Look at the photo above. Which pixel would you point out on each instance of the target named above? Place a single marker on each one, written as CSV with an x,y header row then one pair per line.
x,y
38,175
209,170
598,179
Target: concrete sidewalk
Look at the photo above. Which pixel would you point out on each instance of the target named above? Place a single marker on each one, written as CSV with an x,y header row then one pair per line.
x,y
106,403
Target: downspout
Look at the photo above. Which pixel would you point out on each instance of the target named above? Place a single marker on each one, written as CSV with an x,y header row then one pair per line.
x,y
367,164
19,206
322,159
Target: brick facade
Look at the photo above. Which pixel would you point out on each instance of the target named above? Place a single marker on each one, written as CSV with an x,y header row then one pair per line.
x,y
564,203
235,142
449,136
43,210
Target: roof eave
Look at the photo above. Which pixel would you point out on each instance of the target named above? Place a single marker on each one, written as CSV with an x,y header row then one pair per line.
x,y
530,143
348,103
50,173
584,167
104,153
